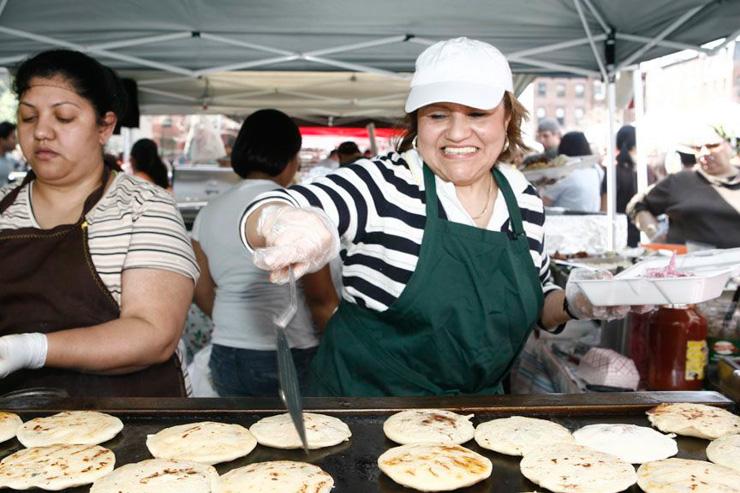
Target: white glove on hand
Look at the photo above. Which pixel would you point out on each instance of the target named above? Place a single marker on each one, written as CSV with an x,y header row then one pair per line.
x,y
18,351
578,303
303,237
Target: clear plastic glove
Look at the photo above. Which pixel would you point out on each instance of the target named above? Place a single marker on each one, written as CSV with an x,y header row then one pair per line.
x,y
303,237
18,351
578,303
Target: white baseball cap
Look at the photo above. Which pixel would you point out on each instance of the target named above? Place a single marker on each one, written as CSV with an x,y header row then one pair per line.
x,y
460,70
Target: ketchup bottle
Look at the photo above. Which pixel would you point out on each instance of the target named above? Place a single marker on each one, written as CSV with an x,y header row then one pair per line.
x,y
677,338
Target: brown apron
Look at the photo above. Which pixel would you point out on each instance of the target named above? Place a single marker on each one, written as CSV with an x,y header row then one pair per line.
x,y
49,283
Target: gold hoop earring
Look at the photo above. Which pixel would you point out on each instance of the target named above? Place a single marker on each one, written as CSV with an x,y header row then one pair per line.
x,y
413,142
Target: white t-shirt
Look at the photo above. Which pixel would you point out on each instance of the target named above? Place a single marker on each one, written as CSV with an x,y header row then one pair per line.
x,y
134,225
246,301
579,191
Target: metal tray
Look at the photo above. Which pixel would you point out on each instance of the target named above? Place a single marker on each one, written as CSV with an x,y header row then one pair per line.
x,y
353,464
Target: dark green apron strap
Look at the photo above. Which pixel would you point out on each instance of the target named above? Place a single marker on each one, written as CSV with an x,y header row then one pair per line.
x,y
514,212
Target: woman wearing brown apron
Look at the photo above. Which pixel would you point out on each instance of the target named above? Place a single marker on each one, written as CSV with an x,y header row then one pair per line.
x,y
93,289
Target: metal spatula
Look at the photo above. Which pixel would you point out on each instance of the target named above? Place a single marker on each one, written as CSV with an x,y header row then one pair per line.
x,y
290,393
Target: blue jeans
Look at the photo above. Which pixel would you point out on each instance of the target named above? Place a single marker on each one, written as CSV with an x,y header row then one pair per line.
x,y
246,372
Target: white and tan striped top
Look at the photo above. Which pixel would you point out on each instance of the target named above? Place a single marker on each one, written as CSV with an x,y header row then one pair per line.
x,y
134,225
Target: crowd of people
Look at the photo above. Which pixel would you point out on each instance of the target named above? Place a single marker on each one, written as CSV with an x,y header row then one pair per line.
x,y
440,244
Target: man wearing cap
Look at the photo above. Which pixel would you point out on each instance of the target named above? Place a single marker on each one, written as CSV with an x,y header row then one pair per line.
x,y
444,270
549,135
348,153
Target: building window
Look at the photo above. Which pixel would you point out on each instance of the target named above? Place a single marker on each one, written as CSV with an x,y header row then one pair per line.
x,y
599,90
560,90
578,113
541,113
580,90
542,88
560,115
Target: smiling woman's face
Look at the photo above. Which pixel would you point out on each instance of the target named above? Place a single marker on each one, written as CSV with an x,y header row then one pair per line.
x,y
459,143
59,132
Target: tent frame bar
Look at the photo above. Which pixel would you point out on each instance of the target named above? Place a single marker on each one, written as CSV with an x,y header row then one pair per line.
x,y
661,36
591,41
92,49
599,18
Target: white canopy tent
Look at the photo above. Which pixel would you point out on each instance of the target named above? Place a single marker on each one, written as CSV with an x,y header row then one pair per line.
x,y
212,55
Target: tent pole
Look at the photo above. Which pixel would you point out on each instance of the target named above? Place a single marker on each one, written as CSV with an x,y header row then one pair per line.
x,y
639,107
611,170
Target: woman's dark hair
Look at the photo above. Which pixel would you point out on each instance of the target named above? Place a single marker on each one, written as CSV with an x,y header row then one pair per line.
x,y
90,79
6,128
574,144
626,140
145,159
267,142
515,111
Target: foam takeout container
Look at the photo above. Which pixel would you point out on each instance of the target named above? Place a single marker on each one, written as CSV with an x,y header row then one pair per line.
x,y
710,271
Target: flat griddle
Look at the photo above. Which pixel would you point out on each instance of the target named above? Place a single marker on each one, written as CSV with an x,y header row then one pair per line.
x,y
353,464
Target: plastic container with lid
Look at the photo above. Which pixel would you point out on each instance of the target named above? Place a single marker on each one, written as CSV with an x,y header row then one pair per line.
x,y
677,341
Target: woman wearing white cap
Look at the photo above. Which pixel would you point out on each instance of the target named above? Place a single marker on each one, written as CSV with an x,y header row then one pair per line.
x,y
444,269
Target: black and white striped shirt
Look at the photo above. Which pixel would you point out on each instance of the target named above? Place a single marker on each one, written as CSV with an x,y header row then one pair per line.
x,y
134,225
379,209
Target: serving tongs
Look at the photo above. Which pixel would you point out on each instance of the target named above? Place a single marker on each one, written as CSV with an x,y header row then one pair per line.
x,y
290,392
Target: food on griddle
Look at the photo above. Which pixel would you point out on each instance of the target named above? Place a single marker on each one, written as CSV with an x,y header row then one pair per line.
x,y
9,424
683,475
282,476
620,440
434,467
321,431
70,428
159,476
725,451
514,435
205,442
572,468
428,426
55,467
694,420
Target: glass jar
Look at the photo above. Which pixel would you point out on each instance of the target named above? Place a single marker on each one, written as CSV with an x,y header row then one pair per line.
x,y
677,339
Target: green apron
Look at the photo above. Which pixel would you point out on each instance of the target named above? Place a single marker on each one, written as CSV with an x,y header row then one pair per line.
x,y
463,317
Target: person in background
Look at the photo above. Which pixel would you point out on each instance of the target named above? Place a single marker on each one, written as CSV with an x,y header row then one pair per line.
x,y
8,143
444,267
98,271
239,296
549,134
331,161
147,165
626,182
225,160
579,191
702,203
348,153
